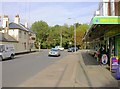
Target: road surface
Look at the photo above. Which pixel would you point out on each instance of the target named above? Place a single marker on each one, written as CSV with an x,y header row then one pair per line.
x,y
23,67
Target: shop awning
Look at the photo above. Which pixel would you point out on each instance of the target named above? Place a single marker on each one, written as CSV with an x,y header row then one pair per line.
x,y
100,25
106,20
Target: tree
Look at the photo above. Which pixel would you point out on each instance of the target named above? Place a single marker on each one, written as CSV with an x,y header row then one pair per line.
x,y
41,30
80,31
52,36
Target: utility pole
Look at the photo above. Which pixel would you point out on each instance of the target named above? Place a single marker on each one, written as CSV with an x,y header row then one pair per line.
x,y
61,38
75,36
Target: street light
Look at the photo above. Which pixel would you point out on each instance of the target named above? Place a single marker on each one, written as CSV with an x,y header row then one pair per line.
x,y
74,35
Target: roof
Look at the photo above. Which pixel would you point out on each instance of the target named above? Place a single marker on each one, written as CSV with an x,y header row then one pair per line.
x,y
20,26
6,38
16,26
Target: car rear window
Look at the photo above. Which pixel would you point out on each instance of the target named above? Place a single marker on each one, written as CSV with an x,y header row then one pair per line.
x,y
54,49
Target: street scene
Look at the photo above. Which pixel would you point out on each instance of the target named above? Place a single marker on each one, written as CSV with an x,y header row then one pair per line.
x,y
60,44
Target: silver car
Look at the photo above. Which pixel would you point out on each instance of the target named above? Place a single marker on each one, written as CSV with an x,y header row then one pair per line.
x,y
54,52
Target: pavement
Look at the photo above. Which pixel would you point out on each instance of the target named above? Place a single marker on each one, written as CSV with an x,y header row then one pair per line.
x,y
75,70
91,74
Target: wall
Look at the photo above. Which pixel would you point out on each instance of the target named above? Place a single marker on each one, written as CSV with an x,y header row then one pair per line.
x,y
14,33
23,44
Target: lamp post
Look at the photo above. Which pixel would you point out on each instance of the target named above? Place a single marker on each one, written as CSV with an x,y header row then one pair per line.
x,y
74,35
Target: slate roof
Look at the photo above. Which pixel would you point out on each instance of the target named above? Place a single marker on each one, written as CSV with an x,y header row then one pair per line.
x,y
17,26
4,37
20,26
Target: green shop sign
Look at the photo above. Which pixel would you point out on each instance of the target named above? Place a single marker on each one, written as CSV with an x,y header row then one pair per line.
x,y
106,20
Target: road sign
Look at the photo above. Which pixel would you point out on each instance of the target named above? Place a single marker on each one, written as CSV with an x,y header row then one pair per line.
x,y
104,59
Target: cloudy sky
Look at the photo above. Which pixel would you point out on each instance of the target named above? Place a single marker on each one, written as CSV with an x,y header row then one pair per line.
x,y
51,12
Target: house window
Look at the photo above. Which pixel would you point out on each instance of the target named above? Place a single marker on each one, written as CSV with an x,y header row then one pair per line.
x,y
25,35
25,45
20,34
33,38
105,8
112,8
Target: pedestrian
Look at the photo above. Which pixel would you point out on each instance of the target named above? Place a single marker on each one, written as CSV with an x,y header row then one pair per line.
x,y
97,54
108,55
100,55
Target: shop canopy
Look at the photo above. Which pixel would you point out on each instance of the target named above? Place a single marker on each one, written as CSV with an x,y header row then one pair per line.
x,y
106,20
103,24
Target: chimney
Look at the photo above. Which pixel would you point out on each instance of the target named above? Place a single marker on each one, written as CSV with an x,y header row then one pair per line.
x,y
26,24
5,23
17,19
97,13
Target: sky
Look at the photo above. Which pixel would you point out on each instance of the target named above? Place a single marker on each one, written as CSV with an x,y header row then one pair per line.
x,y
54,13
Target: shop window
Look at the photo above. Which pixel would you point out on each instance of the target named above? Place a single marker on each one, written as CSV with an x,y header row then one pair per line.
x,y
112,46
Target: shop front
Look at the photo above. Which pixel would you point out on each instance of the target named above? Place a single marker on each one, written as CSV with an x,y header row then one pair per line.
x,y
105,31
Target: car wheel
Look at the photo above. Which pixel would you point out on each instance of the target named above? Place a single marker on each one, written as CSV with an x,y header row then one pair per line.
x,y
0,58
12,56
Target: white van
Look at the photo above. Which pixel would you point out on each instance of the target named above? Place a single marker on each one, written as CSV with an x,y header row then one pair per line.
x,y
6,51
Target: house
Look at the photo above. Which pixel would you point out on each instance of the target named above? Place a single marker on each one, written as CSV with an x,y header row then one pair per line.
x,y
24,37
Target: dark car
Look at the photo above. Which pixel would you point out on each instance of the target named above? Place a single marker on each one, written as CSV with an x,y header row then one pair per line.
x,y
72,49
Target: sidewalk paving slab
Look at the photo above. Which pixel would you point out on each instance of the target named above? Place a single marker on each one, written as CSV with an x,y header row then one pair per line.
x,y
93,75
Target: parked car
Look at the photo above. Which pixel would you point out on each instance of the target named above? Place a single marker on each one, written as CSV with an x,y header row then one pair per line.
x,y
72,49
6,51
54,52
59,47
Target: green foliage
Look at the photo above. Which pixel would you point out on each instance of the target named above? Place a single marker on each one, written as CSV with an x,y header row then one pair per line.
x,y
41,28
81,29
51,36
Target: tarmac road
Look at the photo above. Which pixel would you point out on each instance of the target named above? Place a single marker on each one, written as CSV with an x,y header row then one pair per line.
x,y
23,67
